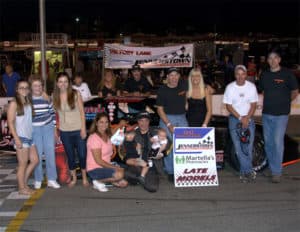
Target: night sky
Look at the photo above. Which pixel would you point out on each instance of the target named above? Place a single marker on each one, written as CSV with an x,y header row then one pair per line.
x,y
187,17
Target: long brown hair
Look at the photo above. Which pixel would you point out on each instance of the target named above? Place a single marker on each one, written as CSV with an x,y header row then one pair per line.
x,y
93,128
19,99
70,92
101,84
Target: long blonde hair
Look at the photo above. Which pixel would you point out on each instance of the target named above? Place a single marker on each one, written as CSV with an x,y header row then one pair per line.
x,y
201,86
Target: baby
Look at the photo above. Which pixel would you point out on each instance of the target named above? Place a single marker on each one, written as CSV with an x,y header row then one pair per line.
x,y
133,155
159,144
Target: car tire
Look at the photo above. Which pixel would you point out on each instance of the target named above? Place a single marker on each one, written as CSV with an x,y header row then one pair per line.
x,y
259,161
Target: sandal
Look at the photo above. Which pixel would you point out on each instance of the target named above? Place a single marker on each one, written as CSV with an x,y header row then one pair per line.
x,y
85,183
72,183
25,191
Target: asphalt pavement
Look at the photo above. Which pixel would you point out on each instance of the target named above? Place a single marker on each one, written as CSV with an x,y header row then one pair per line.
x,y
232,206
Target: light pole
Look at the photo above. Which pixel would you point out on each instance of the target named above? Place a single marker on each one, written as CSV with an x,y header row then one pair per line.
x,y
43,41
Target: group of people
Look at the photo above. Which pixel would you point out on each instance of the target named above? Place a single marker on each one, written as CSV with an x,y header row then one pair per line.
x,y
32,120
279,87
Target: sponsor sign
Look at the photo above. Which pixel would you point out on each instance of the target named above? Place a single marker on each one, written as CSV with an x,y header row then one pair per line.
x,y
194,157
118,56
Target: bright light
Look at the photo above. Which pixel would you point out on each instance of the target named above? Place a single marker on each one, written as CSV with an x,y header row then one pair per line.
x,y
77,19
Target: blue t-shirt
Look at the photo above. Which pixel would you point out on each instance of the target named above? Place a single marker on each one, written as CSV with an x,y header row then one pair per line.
x,y
10,83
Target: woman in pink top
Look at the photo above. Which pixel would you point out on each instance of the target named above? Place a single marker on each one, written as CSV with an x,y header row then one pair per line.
x,y
99,153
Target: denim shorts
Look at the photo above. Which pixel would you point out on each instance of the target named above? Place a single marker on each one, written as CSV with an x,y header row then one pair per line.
x,y
101,173
26,143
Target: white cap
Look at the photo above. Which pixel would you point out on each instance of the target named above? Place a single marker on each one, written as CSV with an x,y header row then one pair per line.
x,y
240,66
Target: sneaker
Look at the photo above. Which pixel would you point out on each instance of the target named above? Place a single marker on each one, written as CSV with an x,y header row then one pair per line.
x,y
53,184
141,180
251,176
171,178
276,179
99,186
37,185
243,178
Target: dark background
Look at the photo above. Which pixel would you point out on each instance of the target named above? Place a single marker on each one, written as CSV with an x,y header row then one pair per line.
x,y
109,18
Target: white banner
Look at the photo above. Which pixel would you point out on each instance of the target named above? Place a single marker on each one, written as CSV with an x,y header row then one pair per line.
x,y
118,56
194,157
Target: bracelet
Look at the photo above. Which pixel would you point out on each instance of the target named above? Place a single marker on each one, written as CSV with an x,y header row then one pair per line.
x,y
168,124
240,118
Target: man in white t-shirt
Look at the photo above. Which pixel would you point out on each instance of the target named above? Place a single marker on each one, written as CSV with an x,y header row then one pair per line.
x,y
240,98
82,87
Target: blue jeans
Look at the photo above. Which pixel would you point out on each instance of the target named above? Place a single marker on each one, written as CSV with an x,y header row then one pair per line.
x,y
243,150
177,121
43,138
274,128
71,141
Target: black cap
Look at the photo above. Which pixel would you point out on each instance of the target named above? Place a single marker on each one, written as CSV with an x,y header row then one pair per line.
x,y
173,70
143,114
135,67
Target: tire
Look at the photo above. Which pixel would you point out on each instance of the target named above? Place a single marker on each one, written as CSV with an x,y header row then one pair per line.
x,y
259,158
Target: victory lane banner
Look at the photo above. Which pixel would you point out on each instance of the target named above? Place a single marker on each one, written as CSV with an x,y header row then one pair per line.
x,y
117,56
194,157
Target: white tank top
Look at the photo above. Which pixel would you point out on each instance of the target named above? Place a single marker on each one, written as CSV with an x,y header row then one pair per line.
x,y
24,123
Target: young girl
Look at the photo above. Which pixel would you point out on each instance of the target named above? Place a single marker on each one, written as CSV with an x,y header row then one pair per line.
x,y
19,117
43,133
68,103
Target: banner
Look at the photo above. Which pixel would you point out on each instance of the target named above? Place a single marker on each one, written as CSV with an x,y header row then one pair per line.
x,y
118,56
194,157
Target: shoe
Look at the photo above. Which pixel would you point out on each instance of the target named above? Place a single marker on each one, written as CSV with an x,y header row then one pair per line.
x,y
243,178
37,185
99,186
53,184
275,179
141,180
251,176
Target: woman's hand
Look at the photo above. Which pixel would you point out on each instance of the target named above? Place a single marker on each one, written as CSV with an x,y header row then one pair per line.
x,y
83,133
18,143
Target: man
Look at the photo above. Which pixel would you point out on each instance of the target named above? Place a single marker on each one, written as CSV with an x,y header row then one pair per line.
x,y
143,136
136,85
171,99
9,80
241,98
144,133
279,87
82,87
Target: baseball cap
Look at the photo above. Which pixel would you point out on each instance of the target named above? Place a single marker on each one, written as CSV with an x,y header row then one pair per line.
x,y
143,114
240,66
173,70
135,67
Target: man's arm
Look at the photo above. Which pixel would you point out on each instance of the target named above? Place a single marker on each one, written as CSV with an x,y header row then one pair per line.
x,y
164,118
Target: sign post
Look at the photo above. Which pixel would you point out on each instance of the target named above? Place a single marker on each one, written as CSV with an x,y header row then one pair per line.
x,y
194,157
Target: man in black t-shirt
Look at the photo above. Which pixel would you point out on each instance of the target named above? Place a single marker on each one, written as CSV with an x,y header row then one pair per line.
x,y
137,85
279,87
171,99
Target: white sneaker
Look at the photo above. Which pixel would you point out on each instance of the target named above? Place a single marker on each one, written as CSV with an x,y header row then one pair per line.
x,y
99,186
53,184
37,184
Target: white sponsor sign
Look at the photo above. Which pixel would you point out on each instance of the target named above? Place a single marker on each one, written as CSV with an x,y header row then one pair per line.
x,y
194,157
118,56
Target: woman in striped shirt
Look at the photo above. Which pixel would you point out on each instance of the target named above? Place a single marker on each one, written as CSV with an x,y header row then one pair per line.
x,y
43,133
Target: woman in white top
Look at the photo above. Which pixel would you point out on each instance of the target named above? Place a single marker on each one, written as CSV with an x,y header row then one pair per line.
x,y
19,117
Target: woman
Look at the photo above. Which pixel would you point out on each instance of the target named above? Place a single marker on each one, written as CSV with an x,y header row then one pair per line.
x,y
99,153
107,85
199,103
43,133
68,103
19,117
